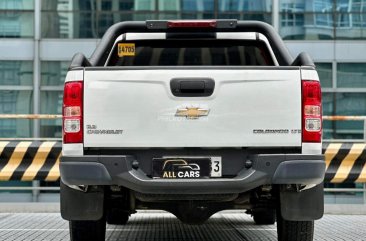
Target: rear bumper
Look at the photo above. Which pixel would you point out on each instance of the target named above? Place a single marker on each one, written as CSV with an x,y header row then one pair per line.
x,y
265,169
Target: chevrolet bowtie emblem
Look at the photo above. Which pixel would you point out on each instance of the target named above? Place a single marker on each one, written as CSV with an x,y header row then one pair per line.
x,y
192,112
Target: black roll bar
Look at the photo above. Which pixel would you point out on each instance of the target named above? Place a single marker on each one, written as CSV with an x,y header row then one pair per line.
x,y
101,53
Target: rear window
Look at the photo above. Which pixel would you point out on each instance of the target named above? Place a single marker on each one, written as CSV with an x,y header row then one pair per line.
x,y
185,52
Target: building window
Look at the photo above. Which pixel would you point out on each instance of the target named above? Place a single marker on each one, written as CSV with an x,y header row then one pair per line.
x,y
16,18
245,5
300,19
53,74
351,75
90,19
292,14
16,73
346,98
326,79
325,74
198,5
320,7
170,9
15,102
350,19
349,104
16,85
169,5
245,10
323,19
51,103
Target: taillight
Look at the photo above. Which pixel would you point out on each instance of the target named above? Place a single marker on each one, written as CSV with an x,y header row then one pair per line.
x,y
311,111
182,25
192,24
72,112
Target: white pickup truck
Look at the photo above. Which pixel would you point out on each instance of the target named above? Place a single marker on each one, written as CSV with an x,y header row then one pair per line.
x,y
192,117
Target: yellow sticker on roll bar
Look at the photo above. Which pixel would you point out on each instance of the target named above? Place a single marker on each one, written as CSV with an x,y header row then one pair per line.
x,y
126,49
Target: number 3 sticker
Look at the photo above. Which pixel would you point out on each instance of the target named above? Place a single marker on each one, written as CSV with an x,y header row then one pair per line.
x,y
216,167
126,49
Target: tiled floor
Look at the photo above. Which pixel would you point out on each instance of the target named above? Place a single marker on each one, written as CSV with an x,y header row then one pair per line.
x,y
161,226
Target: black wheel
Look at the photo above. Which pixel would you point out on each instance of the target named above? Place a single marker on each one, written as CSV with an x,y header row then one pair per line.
x,y
294,230
265,217
117,217
88,230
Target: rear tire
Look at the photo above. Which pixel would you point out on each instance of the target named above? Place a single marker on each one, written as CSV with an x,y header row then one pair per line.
x,y
88,230
117,217
294,230
265,217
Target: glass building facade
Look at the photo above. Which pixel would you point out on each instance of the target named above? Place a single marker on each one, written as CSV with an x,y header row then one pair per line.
x,y
39,37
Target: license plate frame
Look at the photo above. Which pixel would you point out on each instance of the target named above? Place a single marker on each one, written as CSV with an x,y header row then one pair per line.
x,y
186,167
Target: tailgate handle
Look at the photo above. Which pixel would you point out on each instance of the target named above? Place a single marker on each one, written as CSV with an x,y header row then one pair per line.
x,y
192,87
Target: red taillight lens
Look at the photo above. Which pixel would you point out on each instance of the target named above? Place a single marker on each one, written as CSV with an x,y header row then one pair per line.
x,y
72,112
192,24
311,111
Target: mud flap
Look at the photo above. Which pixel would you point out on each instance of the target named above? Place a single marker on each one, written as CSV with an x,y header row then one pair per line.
x,y
78,205
306,205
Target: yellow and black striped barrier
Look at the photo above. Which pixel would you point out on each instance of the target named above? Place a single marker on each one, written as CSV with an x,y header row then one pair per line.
x,y
30,160
39,160
345,162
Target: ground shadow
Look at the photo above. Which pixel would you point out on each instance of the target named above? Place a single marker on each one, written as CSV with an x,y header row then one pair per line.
x,y
169,228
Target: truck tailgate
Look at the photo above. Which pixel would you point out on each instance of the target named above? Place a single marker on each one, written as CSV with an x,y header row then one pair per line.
x,y
248,108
